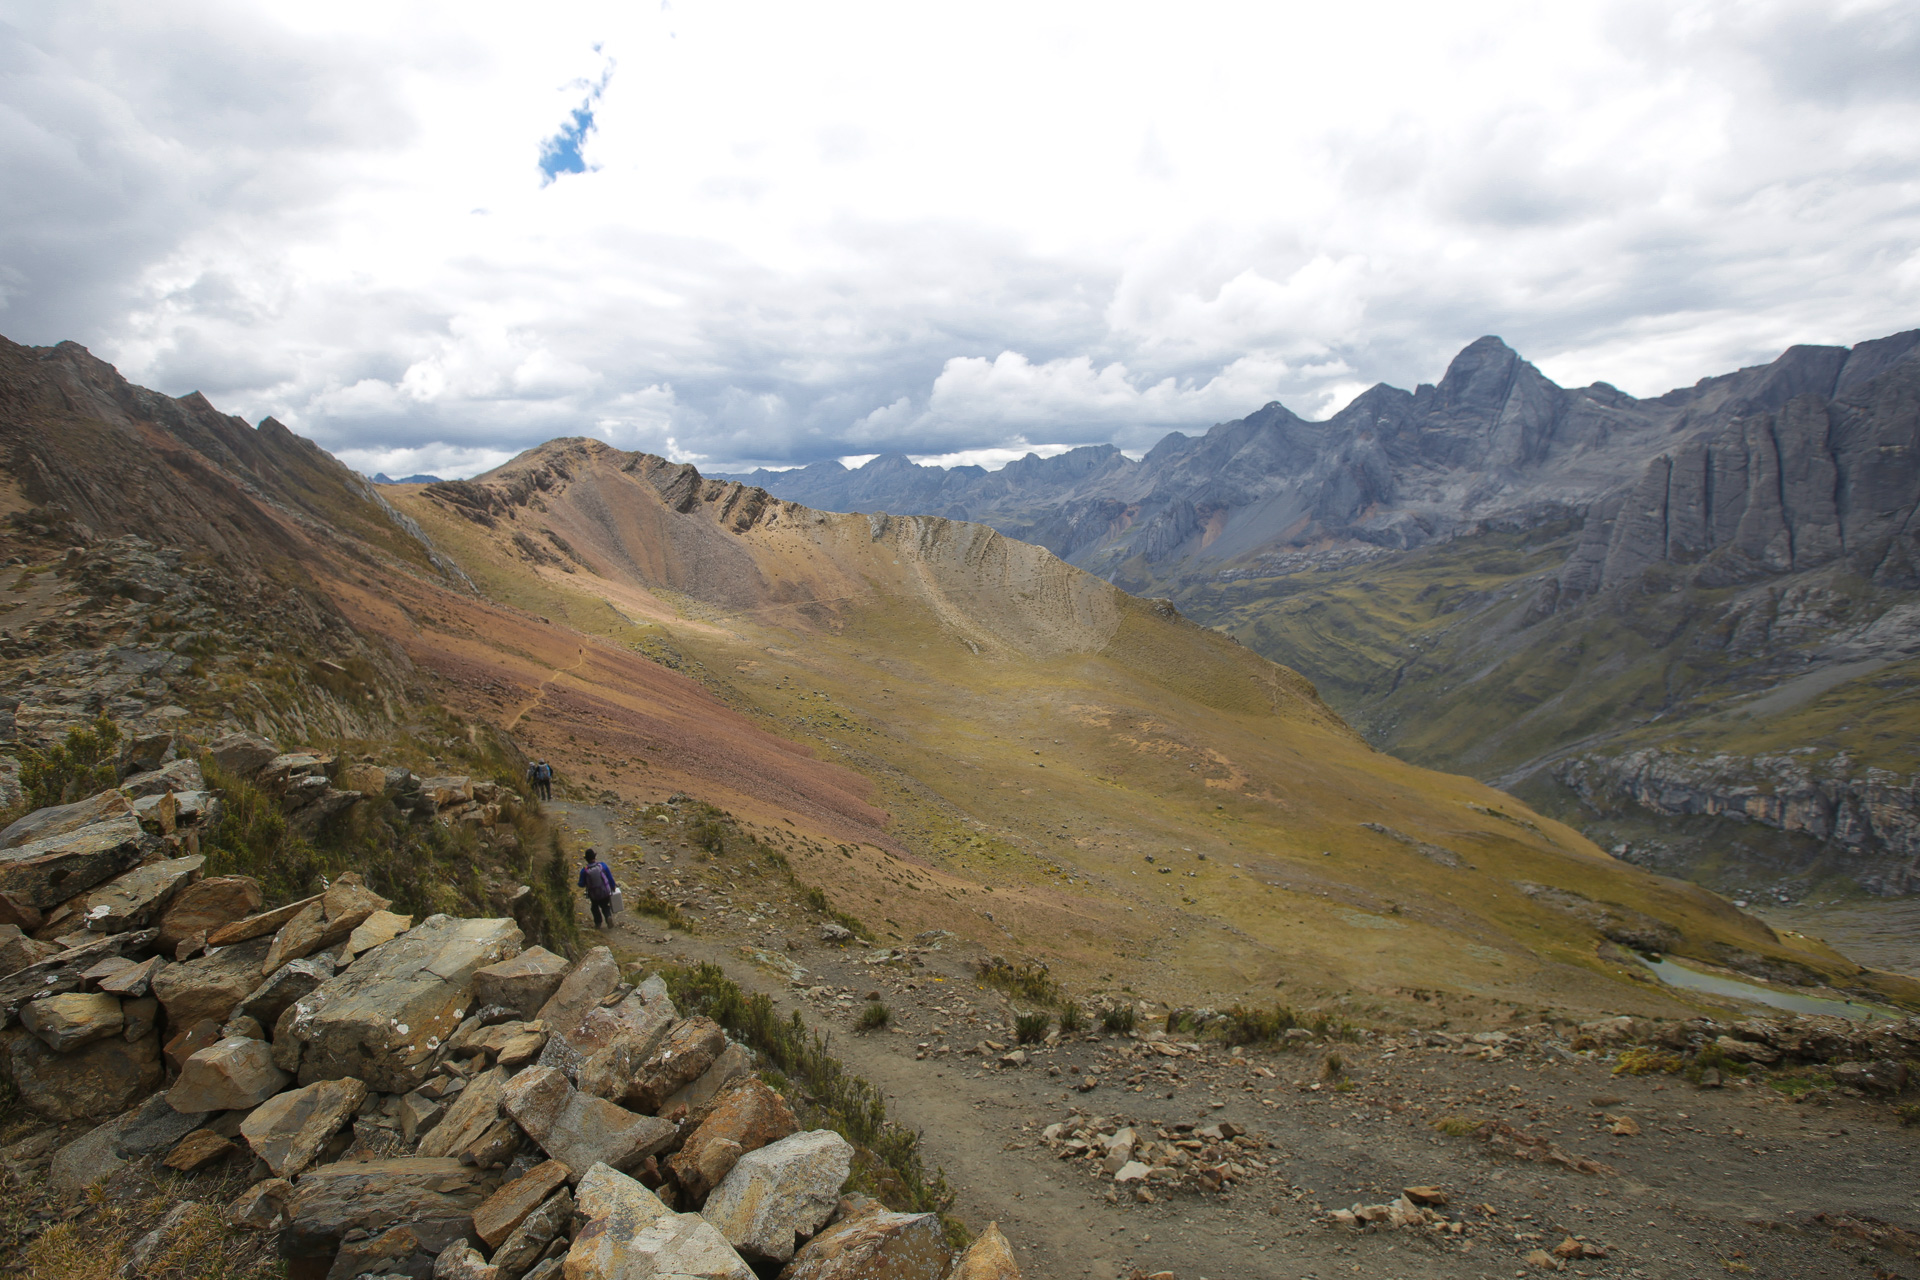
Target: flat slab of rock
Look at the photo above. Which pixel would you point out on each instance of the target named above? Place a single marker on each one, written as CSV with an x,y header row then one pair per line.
x,y
208,987
133,981
384,1018
102,1078
257,926
64,1023
536,1233
629,1233
436,1197
47,872
734,1062
205,906
266,1002
235,1074
59,819
896,1246
290,1129
508,1207
522,984
684,1055
132,900
578,1129
154,1126
781,1194
87,1159
595,978
242,754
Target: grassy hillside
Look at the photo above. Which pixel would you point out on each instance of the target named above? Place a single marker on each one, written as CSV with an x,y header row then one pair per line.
x,y
1040,763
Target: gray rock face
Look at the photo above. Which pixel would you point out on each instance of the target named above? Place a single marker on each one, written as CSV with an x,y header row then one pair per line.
x,y
61,819
899,1246
779,1195
46,872
382,1019
266,1002
630,1234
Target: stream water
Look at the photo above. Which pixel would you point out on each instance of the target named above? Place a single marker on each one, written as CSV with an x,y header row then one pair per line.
x,y
1678,975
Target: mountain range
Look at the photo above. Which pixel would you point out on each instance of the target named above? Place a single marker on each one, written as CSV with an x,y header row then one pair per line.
x,y
1630,608
942,727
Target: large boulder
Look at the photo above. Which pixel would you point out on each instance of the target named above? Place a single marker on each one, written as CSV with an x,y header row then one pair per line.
x,y
777,1196
384,1018
132,900
872,1245
577,1129
234,1074
433,1198
208,987
174,776
633,1020
596,977
206,905
747,1117
735,1061
64,1023
47,872
103,1078
630,1235
289,1130
522,984
59,819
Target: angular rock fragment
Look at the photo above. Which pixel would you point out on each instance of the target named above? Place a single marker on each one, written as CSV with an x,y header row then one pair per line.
x,y
508,1207
262,1206
64,1023
199,1149
989,1257
629,1233
86,1160
17,951
242,754
205,906
434,1198
154,1126
133,981
381,926
537,1232
234,1075
266,1002
62,819
685,1055
522,984
898,1246
461,1261
258,925
208,987
132,900
577,1129
470,1116
341,909
748,1116
735,1061
777,1196
102,1078
290,1130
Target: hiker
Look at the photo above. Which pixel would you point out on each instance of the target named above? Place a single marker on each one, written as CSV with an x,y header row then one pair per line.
x,y
541,775
596,877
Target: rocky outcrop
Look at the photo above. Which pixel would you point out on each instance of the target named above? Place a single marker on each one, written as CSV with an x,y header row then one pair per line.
x,y
1871,817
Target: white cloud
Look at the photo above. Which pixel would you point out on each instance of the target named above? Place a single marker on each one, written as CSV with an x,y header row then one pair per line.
x,y
992,458
939,229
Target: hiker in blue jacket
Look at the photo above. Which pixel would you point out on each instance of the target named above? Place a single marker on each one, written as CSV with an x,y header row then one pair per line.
x,y
596,877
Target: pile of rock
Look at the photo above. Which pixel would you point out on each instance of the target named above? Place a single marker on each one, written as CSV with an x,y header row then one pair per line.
x,y
1868,1056
433,1099
1210,1157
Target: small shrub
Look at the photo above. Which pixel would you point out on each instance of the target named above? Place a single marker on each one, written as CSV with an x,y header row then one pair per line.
x,y
1031,1028
1712,1058
70,770
1242,1025
1119,1019
1456,1126
816,898
1333,1067
650,903
1642,1060
1909,1113
1182,1022
1027,980
1799,1084
1071,1018
874,1016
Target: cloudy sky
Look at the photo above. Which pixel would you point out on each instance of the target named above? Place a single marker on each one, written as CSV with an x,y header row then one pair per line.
x,y
734,233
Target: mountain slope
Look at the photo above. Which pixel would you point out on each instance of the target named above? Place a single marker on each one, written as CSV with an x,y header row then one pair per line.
x,y
1539,585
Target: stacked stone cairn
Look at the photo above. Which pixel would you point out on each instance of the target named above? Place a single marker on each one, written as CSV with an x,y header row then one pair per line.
x,y
412,1099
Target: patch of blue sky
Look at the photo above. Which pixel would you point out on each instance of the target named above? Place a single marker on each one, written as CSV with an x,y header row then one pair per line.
x,y
561,153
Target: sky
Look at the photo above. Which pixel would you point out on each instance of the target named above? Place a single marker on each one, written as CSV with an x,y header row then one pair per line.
x,y
429,236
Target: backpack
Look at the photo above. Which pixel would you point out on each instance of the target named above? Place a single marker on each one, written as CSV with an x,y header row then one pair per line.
x,y
601,879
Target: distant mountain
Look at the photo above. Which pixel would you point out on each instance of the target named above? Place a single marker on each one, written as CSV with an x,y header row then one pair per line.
x,y
381,477
1539,585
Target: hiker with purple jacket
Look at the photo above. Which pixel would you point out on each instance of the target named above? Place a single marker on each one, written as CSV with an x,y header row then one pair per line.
x,y
596,877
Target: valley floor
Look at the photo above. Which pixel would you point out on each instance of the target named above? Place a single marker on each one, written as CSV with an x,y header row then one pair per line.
x,y
1704,1182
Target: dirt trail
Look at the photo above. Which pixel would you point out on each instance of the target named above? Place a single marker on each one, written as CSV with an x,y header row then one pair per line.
x,y
540,690
1715,1182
